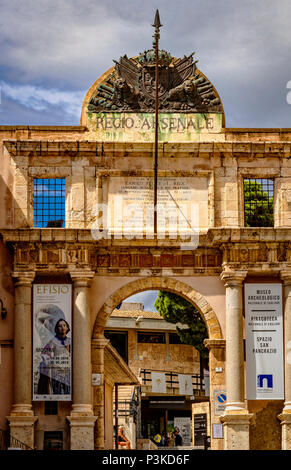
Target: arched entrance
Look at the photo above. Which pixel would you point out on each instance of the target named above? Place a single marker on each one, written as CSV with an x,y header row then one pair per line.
x,y
134,287
163,283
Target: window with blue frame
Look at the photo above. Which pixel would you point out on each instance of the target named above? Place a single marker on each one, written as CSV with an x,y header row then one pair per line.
x,y
49,202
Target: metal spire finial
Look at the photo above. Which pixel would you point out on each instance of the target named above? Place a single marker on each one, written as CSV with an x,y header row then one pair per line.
x,y
157,23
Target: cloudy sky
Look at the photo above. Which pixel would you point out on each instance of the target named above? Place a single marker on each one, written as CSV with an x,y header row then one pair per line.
x,y
52,51
147,298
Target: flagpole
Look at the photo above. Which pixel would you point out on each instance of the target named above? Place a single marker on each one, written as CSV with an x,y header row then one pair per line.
x,y
157,24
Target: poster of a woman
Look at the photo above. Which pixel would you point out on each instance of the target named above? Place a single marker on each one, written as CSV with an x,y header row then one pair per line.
x,y
54,374
52,346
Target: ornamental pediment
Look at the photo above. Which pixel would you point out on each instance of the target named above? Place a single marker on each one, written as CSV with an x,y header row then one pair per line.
x,y
131,87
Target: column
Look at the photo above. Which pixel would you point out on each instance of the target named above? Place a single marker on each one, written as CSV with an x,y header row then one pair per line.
x,y
285,416
82,420
98,346
21,418
236,418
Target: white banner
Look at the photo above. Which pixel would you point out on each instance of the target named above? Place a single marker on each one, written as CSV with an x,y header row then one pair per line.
x,y
159,382
185,384
264,341
184,427
52,305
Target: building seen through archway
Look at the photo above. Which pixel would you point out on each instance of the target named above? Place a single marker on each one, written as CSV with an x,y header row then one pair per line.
x,y
173,378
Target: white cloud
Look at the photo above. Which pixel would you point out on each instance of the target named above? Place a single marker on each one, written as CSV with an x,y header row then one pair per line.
x,y
55,41
243,47
40,99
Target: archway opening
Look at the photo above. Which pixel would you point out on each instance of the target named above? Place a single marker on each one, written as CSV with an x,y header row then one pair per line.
x,y
174,382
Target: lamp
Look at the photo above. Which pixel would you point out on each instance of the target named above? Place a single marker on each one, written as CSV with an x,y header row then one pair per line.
x,y
3,310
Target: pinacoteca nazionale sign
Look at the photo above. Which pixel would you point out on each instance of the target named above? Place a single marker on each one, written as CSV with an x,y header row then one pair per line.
x,y
173,127
264,341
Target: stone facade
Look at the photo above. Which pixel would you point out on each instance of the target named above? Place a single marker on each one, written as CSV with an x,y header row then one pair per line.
x,y
104,271
179,358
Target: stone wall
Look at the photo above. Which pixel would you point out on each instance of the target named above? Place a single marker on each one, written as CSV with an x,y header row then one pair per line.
x,y
6,335
87,167
265,428
224,161
178,358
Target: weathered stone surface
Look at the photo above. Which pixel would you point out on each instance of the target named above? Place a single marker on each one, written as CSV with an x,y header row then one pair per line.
x,y
265,428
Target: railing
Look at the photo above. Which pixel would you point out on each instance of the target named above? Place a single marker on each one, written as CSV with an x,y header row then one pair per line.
x,y
7,441
172,380
129,407
124,407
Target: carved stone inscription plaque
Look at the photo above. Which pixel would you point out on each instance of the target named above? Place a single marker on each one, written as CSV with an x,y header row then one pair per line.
x,y
140,127
182,206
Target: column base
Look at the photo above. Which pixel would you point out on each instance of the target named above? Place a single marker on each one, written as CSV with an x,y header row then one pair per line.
x,y
82,432
22,429
21,409
236,426
285,418
82,410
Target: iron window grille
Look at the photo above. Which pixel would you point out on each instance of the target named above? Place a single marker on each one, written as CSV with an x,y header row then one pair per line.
x,y
49,202
50,407
259,202
143,337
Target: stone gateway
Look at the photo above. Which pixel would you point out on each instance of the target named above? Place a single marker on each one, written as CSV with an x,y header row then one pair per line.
x,y
77,216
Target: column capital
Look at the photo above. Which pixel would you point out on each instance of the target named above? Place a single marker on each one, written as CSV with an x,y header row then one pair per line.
x,y
99,343
233,278
285,275
82,278
23,278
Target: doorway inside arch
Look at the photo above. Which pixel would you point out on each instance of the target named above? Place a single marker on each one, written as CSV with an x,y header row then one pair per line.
x,y
160,337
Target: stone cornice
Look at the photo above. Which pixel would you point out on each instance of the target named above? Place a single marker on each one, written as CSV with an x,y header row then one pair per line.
x,y
236,148
265,251
220,237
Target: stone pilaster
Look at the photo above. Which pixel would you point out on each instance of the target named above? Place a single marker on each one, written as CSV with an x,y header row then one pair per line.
x,y
98,345
236,418
21,417
216,380
82,419
236,427
285,416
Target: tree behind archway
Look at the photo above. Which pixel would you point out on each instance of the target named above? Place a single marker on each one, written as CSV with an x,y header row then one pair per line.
x,y
176,309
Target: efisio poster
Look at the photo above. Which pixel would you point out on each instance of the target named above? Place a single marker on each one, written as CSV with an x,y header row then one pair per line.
x,y
52,348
